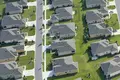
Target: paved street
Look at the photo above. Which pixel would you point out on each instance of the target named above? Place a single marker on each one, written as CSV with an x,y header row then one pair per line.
x,y
117,2
38,44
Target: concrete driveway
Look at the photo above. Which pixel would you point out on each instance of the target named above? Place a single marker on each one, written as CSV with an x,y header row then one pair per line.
x,y
32,3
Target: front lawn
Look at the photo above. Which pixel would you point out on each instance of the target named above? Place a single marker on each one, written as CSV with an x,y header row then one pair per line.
x,y
27,60
29,30
2,9
114,39
113,21
111,7
49,13
48,61
29,78
30,13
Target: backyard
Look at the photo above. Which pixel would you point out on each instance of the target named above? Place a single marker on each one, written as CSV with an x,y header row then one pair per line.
x,y
27,60
30,13
82,56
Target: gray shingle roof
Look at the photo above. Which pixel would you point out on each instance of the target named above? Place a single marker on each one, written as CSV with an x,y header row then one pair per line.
x,y
19,47
92,16
99,28
5,71
23,2
95,2
13,7
62,29
102,47
61,2
11,35
15,19
64,64
62,13
62,47
6,54
111,66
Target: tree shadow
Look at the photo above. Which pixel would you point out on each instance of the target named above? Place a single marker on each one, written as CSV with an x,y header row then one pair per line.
x,y
100,73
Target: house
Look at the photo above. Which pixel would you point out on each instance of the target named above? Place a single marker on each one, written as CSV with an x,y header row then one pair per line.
x,y
12,21
61,3
93,17
8,70
62,48
13,8
95,3
64,66
111,68
103,11
102,48
62,31
11,35
19,48
7,55
62,14
23,3
99,29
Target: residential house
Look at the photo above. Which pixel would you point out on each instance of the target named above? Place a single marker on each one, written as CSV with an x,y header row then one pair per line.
x,y
62,48
64,66
11,35
62,14
102,48
9,70
99,29
13,8
95,3
62,31
111,68
19,48
61,3
93,17
13,21
23,3
7,55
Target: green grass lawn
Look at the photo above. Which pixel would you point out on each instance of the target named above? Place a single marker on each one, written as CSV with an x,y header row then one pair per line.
x,y
113,21
110,0
48,40
111,7
27,60
82,56
114,39
48,61
2,8
49,13
29,30
31,0
30,13
29,78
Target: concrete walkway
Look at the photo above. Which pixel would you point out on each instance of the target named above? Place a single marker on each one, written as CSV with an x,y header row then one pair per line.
x,y
30,23
31,3
30,38
47,74
30,48
29,72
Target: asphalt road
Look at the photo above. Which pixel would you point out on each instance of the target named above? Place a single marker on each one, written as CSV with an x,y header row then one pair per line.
x,y
38,44
117,2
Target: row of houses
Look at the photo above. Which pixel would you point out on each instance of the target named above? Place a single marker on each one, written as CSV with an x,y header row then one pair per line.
x,y
97,28
10,33
62,34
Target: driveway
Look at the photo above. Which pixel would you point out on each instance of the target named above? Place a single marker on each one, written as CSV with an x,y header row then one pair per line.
x,y
30,48
48,74
28,72
31,3
30,38
117,2
30,23
117,32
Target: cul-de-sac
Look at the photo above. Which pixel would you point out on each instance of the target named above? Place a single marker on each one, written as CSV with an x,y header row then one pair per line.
x,y
59,39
